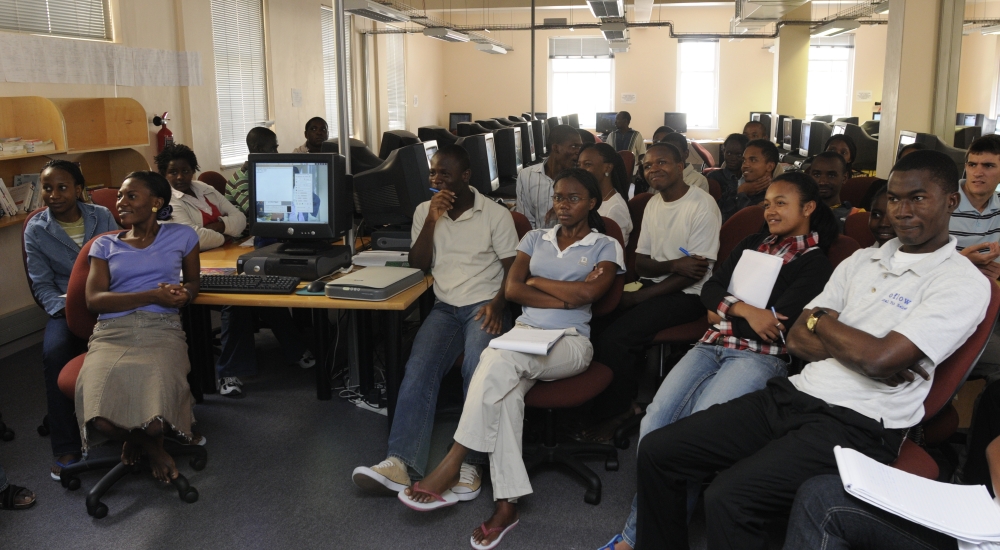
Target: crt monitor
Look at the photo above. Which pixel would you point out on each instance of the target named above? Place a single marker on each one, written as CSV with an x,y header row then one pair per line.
x,y
302,199
362,158
471,128
774,134
989,126
394,139
823,118
876,116
507,143
515,119
804,133
390,193
503,121
455,118
490,124
848,119
539,135
677,121
606,123
790,130
573,120
483,161
436,133
755,115
905,138
839,127
527,142
972,119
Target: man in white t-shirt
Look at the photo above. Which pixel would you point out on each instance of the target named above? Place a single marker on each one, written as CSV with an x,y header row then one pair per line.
x,y
678,245
887,317
468,243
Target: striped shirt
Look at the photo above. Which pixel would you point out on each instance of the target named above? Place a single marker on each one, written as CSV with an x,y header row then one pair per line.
x,y
970,226
238,190
534,195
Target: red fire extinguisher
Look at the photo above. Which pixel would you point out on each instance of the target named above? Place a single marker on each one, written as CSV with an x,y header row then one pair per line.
x,y
164,137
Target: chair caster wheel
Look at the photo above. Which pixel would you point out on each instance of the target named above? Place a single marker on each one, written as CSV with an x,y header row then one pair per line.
x,y
71,483
98,511
611,464
621,442
190,496
43,431
592,497
198,463
7,435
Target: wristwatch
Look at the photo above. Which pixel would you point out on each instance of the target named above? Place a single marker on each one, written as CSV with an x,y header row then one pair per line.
x,y
813,319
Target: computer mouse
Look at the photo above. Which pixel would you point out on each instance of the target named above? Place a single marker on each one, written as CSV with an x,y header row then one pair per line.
x,y
319,285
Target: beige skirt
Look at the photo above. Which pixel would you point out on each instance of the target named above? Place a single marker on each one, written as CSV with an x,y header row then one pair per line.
x,y
135,372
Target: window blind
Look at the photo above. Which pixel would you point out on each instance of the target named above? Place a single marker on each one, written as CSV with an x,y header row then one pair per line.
x,y
330,70
72,18
396,76
240,77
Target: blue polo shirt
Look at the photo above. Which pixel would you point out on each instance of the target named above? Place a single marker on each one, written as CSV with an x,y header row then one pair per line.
x,y
572,264
970,226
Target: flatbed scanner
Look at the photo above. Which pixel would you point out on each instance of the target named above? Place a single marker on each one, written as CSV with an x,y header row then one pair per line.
x,y
374,283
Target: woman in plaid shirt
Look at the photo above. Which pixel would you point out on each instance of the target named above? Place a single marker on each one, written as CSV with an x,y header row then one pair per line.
x,y
745,346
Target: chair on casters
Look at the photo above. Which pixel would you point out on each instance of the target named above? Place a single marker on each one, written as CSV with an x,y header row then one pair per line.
x,y
81,322
572,392
940,418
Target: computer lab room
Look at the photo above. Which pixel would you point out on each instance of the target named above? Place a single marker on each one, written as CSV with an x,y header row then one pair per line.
x,y
538,274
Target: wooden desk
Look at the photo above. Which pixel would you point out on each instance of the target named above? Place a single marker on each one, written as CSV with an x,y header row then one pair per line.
x,y
199,328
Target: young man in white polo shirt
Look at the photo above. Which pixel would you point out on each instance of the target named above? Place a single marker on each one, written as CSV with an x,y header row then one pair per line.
x,y
468,243
886,318
534,183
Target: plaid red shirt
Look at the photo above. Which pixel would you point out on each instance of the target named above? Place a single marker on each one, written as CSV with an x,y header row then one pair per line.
x,y
722,333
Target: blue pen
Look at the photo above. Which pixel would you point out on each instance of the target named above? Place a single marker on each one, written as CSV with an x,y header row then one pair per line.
x,y
775,313
434,190
685,252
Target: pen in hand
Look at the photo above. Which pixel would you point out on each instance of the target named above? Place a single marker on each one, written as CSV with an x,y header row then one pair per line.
x,y
775,313
685,252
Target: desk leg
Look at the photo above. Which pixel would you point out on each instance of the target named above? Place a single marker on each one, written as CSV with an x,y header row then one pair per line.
x,y
393,361
321,328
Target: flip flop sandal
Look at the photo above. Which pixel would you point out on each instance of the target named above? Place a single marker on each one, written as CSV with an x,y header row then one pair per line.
x,y
9,495
443,500
611,543
490,531
58,477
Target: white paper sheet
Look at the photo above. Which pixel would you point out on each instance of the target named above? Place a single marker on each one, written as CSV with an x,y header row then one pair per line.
x,y
754,277
533,341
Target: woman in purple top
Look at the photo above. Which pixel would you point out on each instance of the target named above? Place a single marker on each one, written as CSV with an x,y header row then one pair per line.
x,y
133,384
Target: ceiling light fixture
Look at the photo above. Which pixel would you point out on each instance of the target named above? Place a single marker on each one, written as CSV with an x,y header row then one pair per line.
x,y
491,49
837,27
446,34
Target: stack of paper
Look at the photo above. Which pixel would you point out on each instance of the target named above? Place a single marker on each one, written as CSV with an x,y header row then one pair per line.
x,y
965,512
754,277
525,340
391,258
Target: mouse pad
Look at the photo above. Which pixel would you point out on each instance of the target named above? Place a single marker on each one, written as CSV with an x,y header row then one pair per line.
x,y
304,291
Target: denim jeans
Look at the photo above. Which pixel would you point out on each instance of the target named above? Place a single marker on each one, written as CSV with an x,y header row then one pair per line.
x,y
707,375
239,356
825,517
447,332
59,346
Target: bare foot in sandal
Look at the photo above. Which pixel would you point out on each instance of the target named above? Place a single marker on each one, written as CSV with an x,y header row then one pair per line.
x,y
503,517
443,478
131,453
162,465
16,498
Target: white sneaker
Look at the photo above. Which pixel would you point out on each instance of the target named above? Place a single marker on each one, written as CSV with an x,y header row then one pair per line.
x,y
470,482
307,361
230,386
388,477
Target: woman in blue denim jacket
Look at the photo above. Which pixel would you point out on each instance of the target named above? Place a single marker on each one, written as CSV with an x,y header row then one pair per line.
x,y
52,240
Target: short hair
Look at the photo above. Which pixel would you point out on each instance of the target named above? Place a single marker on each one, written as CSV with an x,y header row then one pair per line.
x,y
755,123
456,153
670,148
738,138
626,114
915,146
176,151
940,166
71,168
664,130
258,137
767,149
847,141
314,119
877,189
677,140
562,133
833,155
990,144
586,136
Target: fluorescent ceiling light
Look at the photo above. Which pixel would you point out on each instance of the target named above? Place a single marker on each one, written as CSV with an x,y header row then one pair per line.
x,y
491,48
833,28
607,8
614,31
618,46
883,7
448,35
374,10
995,29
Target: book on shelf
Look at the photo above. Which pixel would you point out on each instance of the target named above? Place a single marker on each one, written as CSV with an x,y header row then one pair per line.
x,y
36,195
21,195
6,201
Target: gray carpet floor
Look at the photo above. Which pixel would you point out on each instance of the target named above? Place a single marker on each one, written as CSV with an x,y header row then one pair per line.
x,y
279,476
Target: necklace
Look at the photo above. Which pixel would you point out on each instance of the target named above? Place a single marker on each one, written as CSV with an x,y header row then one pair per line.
x,y
609,195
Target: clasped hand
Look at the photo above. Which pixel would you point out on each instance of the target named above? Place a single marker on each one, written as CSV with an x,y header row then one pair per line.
x,y
172,296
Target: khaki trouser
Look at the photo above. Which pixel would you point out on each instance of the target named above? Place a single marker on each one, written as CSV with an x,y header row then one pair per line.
x,y
493,418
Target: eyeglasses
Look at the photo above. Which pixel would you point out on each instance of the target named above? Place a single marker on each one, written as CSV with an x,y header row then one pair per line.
x,y
572,199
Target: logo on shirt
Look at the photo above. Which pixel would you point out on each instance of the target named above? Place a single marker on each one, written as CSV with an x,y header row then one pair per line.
x,y
897,300
583,260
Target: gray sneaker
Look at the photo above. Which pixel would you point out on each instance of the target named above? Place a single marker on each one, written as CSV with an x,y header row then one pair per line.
x,y
230,386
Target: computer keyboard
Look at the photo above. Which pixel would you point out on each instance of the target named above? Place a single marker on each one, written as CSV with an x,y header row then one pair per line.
x,y
248,284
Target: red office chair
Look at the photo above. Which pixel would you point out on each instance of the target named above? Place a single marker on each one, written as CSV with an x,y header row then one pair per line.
x,y
636,208
108,198
521,224
81,323
215,179
629,158
570,393
841,249
854,190
940,418
703,153
741,225
856,227
714,189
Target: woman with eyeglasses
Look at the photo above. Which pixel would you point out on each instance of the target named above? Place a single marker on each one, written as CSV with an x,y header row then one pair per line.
x,y
557,274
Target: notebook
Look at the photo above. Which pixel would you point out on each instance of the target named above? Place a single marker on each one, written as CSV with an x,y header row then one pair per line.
x,y
524,340
754,277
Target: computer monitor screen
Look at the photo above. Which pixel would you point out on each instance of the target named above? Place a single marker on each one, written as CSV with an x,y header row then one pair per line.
x,y
755,117
677,121
507,144
989,126
527,143
517,148
491,156
482,162
876,116
774,133
455,118
804,133
970,120
839,128
605,122
298,196
538,135
906,138
573,120
430,148
786,134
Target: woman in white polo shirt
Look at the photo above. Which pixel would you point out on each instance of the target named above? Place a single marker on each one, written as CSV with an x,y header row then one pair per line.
x,y
557,274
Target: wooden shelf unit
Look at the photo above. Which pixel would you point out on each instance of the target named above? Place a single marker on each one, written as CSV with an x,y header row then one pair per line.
x,y
109,168
32,117
103,123
16,220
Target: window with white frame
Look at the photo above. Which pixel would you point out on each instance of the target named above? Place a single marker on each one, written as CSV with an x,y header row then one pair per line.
x,y
330,71
70,18
831,75
396,80
581,78
240,77
698,82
